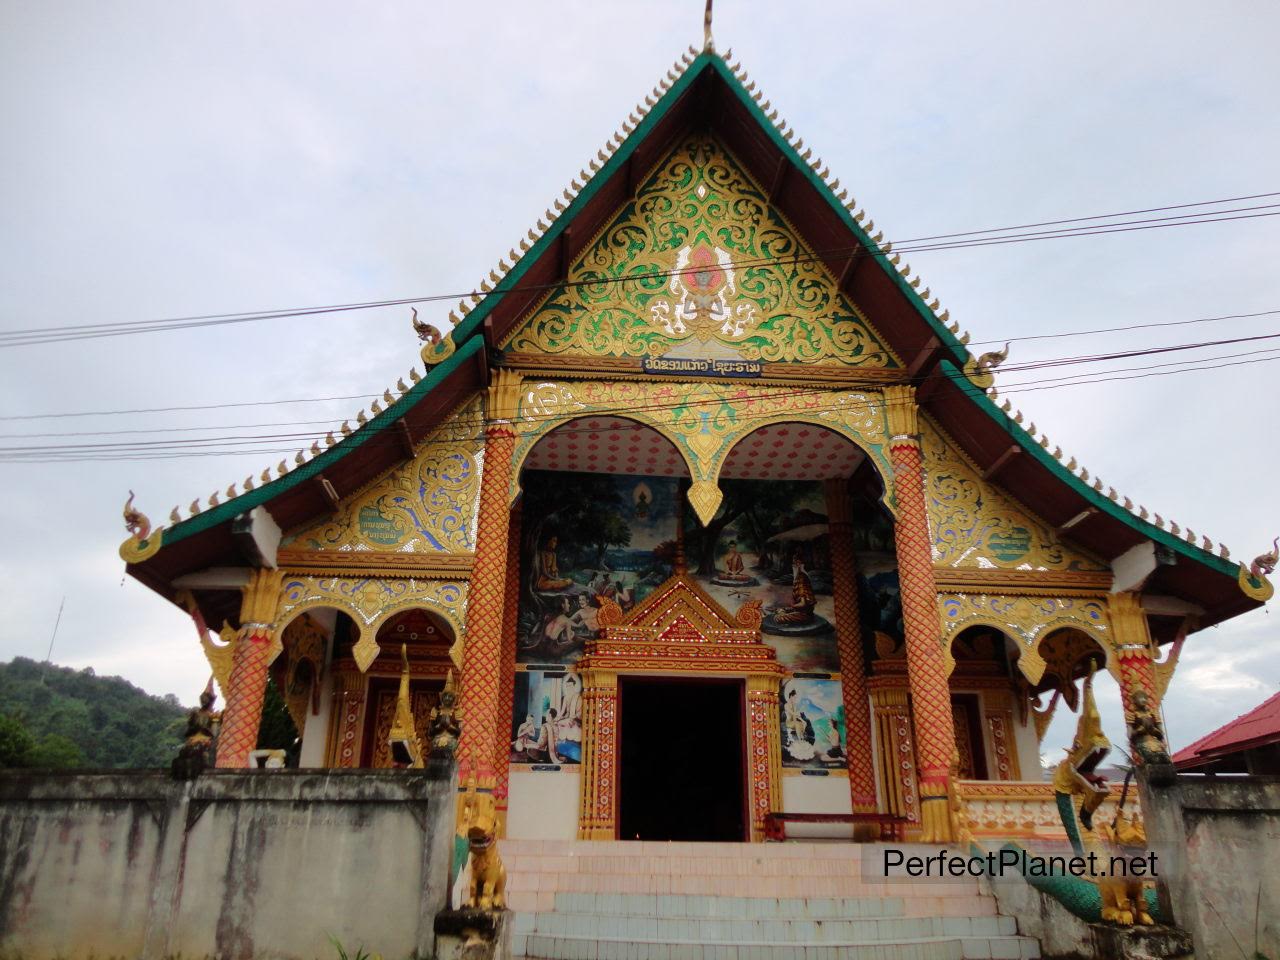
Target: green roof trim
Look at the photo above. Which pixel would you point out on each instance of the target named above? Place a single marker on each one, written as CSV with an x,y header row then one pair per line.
x,y
473,320
264,494
1094,497
945,336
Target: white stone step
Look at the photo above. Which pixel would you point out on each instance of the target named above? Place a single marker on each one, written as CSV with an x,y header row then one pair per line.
x,y
935,948
749,908
640,900
763,930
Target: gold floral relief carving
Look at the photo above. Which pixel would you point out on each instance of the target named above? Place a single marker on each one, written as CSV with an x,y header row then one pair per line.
x,y
427,505
716,270
975,524
1025,619
370,601
703,420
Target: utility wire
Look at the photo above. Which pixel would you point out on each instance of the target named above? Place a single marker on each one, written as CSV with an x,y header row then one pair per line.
x,y
177,448
39,335
374,396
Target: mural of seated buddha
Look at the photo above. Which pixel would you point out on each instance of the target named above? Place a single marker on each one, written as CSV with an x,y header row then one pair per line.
x,y
735,570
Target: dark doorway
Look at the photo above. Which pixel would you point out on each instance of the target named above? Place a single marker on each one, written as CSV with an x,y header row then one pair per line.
x,y
681,760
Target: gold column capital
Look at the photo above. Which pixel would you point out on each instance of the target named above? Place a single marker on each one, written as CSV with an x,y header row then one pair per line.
x,y
1128,622
260,596
901,411
504,395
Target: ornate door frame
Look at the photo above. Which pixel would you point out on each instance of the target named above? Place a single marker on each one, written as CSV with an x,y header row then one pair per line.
x,y
677,631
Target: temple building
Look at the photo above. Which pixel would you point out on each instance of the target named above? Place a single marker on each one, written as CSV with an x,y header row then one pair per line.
x,y
711,514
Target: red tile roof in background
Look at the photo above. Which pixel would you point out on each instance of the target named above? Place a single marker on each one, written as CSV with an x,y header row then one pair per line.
x,y
1259,726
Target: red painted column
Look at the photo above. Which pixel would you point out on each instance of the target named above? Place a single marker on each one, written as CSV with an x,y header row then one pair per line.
x,y
1133,653
853,674
926,671
479,699
254,651
507,667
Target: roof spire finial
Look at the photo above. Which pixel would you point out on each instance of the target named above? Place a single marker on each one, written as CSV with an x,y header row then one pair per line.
x,y
708,45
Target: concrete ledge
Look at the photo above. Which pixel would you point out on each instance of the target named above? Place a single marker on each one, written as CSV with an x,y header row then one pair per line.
x,y
235,863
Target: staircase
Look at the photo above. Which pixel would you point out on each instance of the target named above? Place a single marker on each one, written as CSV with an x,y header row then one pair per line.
x,y
591,900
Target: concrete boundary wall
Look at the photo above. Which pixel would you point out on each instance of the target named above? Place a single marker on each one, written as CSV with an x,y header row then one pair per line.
x,y
235,864
1219,843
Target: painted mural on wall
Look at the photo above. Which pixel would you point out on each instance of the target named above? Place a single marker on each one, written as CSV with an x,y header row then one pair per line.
x,y
546,721
586,537
770,542
879,599
813,727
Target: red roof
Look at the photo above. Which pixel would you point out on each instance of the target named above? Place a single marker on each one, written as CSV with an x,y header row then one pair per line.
x,y
1258,727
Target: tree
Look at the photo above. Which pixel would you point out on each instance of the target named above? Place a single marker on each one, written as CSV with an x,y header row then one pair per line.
x,y
56,752
761,503
277,731
612,531
16,743
108,721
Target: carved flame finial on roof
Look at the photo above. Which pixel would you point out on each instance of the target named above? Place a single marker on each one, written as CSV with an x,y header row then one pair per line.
x,y
143,541
1253,578
707,43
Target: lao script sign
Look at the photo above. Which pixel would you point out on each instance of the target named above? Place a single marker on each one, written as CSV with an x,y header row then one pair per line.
x,y
678,366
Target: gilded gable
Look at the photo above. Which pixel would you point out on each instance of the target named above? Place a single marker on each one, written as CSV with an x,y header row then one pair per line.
x,y
427,505
976,524
726,277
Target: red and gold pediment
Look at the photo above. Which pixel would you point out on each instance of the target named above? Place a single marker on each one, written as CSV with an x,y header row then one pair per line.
x,y
679,627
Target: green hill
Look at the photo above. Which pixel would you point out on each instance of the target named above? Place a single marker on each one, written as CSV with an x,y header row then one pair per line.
x,y
58,717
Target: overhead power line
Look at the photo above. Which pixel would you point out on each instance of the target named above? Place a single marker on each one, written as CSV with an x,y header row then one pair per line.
x,y
979,238
373,396
269,443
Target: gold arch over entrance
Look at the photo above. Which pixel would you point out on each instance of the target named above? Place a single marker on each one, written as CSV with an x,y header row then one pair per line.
x,y
1026,619
371,601
704,421
678,630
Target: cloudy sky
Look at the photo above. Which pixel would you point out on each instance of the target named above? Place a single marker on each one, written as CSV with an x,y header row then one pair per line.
x,y
171,159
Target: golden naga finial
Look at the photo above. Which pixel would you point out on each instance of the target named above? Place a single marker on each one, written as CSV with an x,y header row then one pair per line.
x,y
1253,578
708,44
135,521
435,346
143,541
979,371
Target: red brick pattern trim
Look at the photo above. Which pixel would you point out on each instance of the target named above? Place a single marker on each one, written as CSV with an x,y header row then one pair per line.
x,y
853,676
507,662
248,688
479,700
930,697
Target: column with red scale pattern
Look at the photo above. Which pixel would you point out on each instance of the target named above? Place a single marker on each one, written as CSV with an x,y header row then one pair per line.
x,y
853,677
926,671
507,666
480,700
255,648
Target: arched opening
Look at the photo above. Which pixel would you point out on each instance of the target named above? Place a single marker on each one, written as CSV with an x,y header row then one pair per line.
x,y
425,639
994,729
598,514
298,706
604,518
1070,656
596,523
